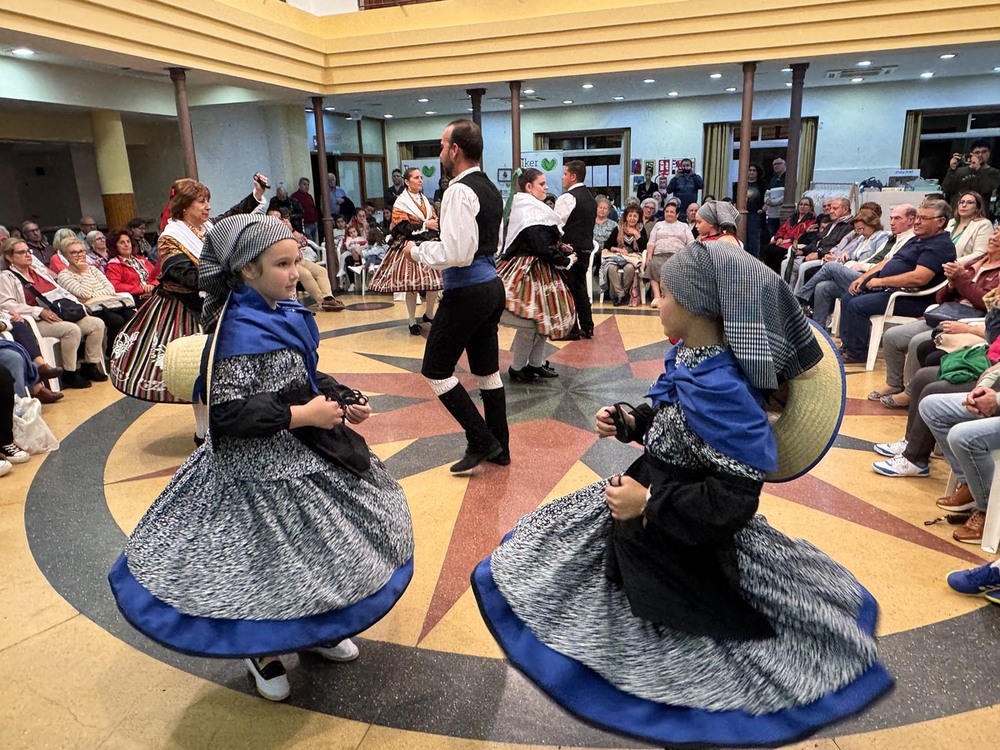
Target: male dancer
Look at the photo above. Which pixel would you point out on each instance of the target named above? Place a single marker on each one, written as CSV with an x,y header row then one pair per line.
x,y
577,210
473,299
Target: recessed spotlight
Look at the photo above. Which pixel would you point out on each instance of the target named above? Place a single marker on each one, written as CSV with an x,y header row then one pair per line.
x,y
423,101
520,106
672,93
864,63
22,52
618,98
430,112
309,109
788,84
388,117
649,80
786,70
528,91
567,101
949,56
587,86
469,109
716,75
858,79
927,74
996,69
330,109
730,88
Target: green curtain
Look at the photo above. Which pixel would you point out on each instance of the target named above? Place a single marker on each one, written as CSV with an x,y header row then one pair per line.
x,y
910,157
807,153
716,157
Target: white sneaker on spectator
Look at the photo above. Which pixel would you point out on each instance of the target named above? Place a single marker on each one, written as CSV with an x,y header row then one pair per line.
x,y
14,453
900,466
351,289
5,466
343,651
890,449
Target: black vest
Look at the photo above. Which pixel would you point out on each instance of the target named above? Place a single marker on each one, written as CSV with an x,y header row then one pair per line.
x,y
579,229
490,211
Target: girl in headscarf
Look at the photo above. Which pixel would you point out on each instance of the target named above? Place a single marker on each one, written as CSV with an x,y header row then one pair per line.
x,y
538,303
413,220
657,603
283,532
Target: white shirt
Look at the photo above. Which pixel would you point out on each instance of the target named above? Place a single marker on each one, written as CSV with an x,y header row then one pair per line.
x,y
565,204
459,230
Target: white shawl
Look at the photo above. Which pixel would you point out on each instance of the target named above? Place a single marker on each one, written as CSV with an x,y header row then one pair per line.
x,y
184,235
527,211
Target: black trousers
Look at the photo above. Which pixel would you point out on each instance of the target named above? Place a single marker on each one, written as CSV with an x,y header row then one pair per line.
x,y
466,320
576,282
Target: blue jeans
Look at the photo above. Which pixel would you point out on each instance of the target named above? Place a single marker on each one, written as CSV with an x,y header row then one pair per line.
x,y
13,362
966,440
855,326
826,285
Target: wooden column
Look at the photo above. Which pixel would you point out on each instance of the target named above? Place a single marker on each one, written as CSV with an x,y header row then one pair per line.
x,y
789,204
112,167
477,104
515,124
179,77
746,121
332,257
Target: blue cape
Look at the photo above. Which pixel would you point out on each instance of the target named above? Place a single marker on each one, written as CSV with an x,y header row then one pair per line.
x,y
721,406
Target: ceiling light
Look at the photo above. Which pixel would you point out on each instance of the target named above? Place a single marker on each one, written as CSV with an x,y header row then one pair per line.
x,y
716,75
949,56
528,91
430,112
858,79
672,93
788,84
423,101
520,106
587,86
927,74
786,70
996,69
308,109
388,117
649,80
469,109
330,109
731,88
864,63
22,52
618,98
567,101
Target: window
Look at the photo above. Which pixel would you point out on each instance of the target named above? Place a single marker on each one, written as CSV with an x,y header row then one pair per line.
x,y
355,153
947,132
605,152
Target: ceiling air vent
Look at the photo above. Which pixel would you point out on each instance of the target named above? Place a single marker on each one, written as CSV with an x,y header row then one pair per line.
x,y
524,98
869,74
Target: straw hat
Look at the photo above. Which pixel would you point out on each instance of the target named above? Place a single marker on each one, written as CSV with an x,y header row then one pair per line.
x,y
807,411
184,361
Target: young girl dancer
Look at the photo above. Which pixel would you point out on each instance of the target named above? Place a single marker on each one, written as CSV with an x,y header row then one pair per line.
x,y
657,603
283,532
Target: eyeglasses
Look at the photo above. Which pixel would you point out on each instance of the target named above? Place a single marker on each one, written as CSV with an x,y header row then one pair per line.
x,y
32,230
20,252
88,223
927,218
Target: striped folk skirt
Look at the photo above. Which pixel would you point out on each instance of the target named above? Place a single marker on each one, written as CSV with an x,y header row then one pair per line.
x,y
137,359
536,291
400,274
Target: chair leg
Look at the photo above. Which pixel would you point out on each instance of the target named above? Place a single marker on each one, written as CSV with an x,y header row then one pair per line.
x,y
875,340
835,318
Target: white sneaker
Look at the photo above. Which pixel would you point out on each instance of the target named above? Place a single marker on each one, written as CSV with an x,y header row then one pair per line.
x,y
899,466
890,449
270,679
5,466
351,289
14,453
343,651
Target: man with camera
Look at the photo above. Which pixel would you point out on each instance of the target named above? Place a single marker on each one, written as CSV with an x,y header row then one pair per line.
x,y
685,185
971,173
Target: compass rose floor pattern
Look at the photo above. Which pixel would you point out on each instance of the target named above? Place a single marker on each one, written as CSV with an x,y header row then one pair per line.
x,y
430,676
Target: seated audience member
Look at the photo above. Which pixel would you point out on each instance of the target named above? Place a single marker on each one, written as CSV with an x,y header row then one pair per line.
x,y
603,224
919,265
143,248
622,257
648,208
691,213
15,297
352,253
968,286
788,234
97,250
829,235
668,237
313,277
550,200
10,452
24,360
37,244
967,427
58,261
86,224
94,290
377,248
969,229
127,271
971,174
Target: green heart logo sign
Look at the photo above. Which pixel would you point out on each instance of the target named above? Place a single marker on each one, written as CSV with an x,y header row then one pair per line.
x,y
428,171
549,164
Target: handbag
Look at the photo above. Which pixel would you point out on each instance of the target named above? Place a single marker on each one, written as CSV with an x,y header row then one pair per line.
x,y
113,302
949,311
67,309
30,431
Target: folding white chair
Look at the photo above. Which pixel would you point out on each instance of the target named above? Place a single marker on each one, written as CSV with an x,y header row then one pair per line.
x,y
879,321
